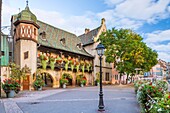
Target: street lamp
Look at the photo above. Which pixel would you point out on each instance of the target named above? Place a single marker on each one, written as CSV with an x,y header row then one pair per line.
x,y
100,51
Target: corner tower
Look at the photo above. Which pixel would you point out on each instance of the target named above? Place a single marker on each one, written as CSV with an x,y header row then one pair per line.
x,y
25,32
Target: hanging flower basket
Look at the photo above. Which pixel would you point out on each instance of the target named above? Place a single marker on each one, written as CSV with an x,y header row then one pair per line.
x,y
52,62
77,66
44,59
88,65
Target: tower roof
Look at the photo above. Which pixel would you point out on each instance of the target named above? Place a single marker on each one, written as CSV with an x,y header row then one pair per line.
x,y
26,14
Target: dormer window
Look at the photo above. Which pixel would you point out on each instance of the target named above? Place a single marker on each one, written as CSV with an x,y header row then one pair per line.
x,y
43,35
79,46
63,41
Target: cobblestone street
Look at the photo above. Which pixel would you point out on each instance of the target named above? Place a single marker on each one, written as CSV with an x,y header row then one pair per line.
x,y
117,99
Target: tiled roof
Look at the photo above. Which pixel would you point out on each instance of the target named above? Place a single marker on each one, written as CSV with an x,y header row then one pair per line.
x,y
89,37
54,35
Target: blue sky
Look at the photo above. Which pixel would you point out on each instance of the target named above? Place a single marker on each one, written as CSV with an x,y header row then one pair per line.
x,y
150,18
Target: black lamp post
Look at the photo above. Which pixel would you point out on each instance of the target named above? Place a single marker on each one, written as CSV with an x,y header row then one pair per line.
x,y
100,51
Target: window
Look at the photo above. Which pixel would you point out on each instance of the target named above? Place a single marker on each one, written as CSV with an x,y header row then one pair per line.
x,y
43,36
10,53
107,77
2,53
79,46
25,55
63,41
116,77
158,68
34,31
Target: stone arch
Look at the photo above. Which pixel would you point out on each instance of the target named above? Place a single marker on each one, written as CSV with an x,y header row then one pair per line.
x,y
71,78
80,75
53,76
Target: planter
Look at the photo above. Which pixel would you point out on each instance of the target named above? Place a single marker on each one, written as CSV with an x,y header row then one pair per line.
x,y
17,90
39,88
44,64
52,65
11,94
81,85
98,84
64,86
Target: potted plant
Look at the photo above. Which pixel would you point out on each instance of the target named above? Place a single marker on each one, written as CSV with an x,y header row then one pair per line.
x,y
63,82
44,59
82,65
38,83
97,82
52,62
83,82
10,86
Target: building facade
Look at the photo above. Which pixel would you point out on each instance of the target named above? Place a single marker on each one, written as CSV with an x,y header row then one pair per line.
x,y
53,51
90,41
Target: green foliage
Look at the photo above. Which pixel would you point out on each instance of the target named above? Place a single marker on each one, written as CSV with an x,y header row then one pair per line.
x,y
162,105
126,50
16,72
10,84
64,78
39,82
66,75
151,96
63,81
81,79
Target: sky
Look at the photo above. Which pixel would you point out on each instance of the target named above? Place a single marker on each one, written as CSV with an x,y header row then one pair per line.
x,y
149,18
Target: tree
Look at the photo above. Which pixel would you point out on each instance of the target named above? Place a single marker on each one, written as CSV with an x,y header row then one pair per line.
x,y
126,50
16,73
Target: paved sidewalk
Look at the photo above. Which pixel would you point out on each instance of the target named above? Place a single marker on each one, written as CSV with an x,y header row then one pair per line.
x,y
47,100
9,105
2,109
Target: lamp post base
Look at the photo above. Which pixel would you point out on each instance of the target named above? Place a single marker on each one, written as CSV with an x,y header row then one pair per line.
x,y
101,108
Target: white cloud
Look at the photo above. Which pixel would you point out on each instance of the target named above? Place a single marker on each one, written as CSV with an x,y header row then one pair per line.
x,y
164,56
158,36
146,10
74,24
155,41
113,2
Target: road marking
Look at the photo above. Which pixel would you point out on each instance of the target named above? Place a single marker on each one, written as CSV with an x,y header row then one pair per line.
x,y
74,100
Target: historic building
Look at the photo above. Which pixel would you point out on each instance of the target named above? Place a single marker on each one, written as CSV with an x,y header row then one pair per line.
x,y
53,52
90,42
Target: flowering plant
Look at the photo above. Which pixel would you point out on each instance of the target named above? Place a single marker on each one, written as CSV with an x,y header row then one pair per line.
x,y
43,56
83,81
82,62
10,84
72,62
44,59
147,91
63,81
52,61
88,65
162,105
58,59
39,82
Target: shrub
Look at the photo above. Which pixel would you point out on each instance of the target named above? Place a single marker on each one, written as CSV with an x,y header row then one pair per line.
x,y
63,81
162,105
10,84
39,82
147,91
83,81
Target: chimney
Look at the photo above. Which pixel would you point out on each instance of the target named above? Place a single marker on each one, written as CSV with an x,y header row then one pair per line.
x,y
103,21
87,30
